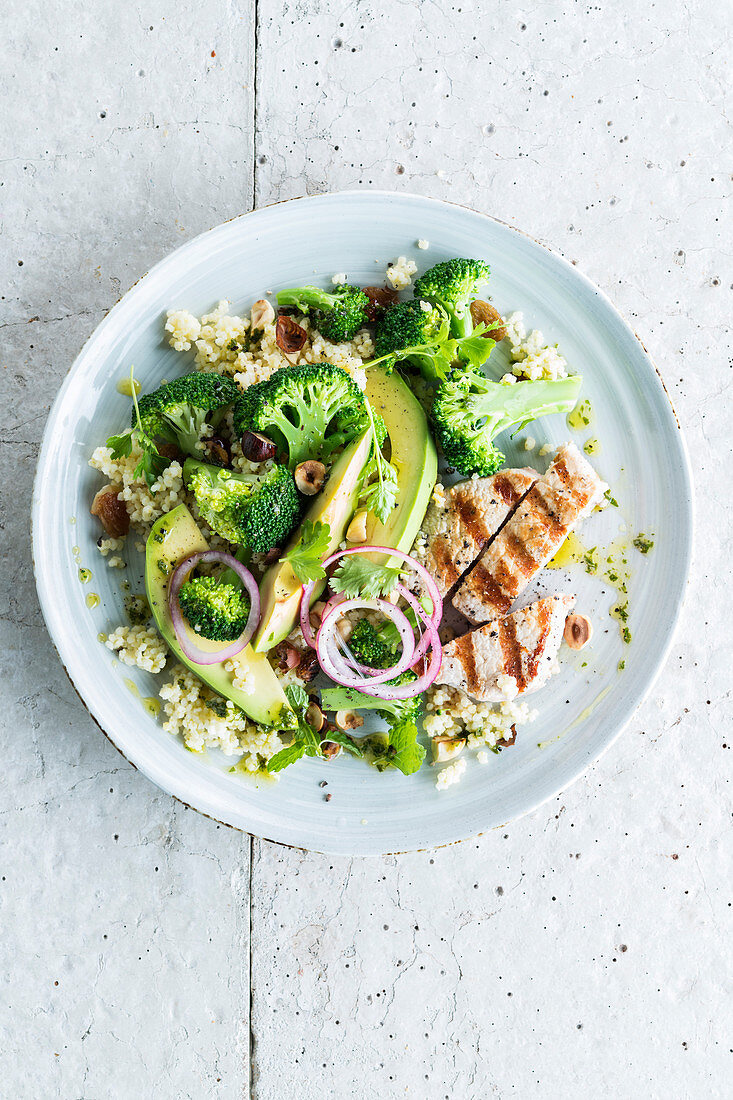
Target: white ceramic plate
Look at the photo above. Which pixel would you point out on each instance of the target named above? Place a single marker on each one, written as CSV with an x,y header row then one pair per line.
x,y
642,457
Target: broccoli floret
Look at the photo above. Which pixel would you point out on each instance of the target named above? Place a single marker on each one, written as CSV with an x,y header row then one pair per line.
x,y
339,313
469,411
308,411
179,410
452,285
257,511
419,333
214,610
369,647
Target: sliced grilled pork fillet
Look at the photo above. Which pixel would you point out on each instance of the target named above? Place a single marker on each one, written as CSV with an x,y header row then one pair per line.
x,y
474,511
538,526
507,657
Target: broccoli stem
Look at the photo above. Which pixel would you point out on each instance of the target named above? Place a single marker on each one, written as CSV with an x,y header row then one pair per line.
x,y
506,405
305,298
342,698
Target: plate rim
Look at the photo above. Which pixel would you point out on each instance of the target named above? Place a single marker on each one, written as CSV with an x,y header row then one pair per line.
x,y
156,269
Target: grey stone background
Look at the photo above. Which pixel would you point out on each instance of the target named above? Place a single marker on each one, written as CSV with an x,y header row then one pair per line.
x,y
581,952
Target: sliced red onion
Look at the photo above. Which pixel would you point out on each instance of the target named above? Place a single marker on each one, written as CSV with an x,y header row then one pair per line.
x,y
408,691
183,633
332,661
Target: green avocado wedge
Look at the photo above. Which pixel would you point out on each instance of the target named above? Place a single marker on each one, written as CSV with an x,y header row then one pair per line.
x,y
334,505
174,537
414,457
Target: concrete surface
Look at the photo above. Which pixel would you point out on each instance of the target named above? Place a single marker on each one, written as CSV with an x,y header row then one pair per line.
x,y
581,952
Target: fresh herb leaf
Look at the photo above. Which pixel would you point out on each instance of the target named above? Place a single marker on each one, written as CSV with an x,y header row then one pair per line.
x,y
476,348
286,757
306,557
356,576
120,445
403,751
378,496
345,742
297,696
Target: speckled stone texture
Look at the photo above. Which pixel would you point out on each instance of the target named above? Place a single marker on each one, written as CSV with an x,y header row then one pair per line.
x,y
583,951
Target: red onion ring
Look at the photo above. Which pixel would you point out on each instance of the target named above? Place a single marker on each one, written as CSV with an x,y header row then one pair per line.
x,y
333,663
183,633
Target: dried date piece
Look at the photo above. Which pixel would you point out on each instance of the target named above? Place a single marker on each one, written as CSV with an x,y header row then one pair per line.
x,y
484,312
380,298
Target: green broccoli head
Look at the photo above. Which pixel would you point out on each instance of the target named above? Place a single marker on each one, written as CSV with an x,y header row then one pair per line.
x,y
419,333
408,325
369,647
178,410
453,284
339,313
469,411
257,511
214,610
308,411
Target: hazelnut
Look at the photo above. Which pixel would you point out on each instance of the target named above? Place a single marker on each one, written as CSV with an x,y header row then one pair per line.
x,y
314,717
447,748
348,720
357,529
310,476
484,312
578,631
257,447
329,749
262,314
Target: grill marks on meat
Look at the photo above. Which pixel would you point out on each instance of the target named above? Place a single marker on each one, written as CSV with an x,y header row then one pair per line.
x,y
515,655
474,512
554,505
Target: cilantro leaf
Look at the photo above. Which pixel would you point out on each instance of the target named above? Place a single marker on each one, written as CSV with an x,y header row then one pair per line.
x,y
120,445
476,348
306,557
378,496
356,576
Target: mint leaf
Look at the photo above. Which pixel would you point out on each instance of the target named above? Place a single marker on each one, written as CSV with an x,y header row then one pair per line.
x,y
345,741
405,751
286,757
306,557
356,576
297,697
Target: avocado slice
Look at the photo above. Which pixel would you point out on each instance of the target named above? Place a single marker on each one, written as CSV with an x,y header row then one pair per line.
x,y
174,537
414,457
334,505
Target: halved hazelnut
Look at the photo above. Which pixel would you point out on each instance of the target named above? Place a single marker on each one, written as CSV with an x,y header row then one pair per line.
x,y
484,312
578,631
357,529
112,512
329,749
348,720
310,476
314,717
257,447
344,628
262,314
447,748
289,336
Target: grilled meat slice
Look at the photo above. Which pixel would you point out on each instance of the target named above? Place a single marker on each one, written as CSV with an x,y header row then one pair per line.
x,y
474,511
539,525
508,657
